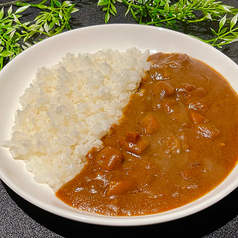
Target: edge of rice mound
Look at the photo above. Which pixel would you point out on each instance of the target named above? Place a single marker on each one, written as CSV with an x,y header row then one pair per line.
x,y
69,107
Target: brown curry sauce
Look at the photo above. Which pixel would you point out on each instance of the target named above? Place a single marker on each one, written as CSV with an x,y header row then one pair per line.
x,y
177,141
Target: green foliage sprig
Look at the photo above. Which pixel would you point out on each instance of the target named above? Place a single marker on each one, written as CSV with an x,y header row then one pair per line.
x,y
15,35
171,14
226,34
109,8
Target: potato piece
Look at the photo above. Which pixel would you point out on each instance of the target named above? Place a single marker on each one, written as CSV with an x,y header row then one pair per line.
x,y
120,187
149,124
109,158
138,147
162,89
207,130
197,118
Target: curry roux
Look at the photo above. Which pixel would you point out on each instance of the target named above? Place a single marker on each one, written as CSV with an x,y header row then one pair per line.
x,y
177,141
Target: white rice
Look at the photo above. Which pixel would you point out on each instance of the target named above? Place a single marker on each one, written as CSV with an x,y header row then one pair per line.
x,y
69,107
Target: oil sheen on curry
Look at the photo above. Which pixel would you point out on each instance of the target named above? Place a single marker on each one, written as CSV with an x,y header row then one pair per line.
x,y
177,141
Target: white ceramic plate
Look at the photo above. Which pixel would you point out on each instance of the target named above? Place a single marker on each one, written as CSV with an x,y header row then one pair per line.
x,y
17,75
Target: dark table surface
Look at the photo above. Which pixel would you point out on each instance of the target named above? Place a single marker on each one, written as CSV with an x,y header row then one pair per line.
x,y
19,218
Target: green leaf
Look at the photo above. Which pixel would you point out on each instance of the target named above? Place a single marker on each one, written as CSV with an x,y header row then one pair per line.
x,y
1,13
69,10
56,22
52,3
107,17
233,21
226,8
25,24
114,10
102,2
222,22
12,33
51,25
66,3
39,21
22,9
28,36
166,7
9,30
213,32
49,18
74,10
208,16
33,27
6,53
235,34
60,14
46,27
6,21
38,17
3,43
28,44
16,19
9,11
223,31
24,47
57,3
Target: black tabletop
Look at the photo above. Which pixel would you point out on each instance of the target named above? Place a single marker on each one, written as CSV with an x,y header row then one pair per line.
x,y
19,218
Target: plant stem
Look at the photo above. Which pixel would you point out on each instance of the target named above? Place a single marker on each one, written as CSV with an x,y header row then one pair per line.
x,y
11,3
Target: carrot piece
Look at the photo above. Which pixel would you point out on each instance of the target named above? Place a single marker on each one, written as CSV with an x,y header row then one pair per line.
x,y
207,130
132,136
197,118
169,105
162,89
138,147
149,124
109,158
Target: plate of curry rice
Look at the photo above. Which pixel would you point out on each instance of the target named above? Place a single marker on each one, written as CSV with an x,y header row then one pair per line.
x,y
103,126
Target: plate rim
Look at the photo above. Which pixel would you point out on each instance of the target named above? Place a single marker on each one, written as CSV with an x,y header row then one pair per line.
x,y
101,219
